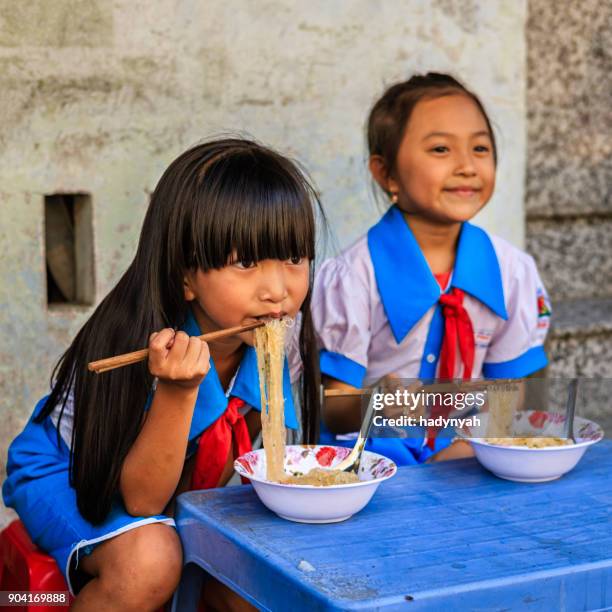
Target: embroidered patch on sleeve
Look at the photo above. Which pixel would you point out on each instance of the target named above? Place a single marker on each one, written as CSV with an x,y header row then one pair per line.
x,y
543,304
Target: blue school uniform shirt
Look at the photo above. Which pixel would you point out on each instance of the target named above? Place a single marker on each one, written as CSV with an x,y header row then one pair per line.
x,y
38,487
376,307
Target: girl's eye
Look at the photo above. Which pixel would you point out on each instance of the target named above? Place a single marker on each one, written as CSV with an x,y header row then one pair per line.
x,y
244,265
295,260
481,149
439,149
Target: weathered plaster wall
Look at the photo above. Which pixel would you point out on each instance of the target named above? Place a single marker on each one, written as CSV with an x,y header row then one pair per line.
x,y
100,96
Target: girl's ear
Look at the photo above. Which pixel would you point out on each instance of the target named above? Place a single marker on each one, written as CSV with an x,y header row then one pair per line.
x,y
381,175
187,290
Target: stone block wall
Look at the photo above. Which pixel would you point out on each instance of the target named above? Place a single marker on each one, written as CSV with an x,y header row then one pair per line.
x,y
569,185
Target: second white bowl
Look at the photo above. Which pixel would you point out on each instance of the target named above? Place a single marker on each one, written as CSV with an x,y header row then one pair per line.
x,y
523,464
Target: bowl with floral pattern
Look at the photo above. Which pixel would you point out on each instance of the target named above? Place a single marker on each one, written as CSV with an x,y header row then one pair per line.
x,y
306,503
516,458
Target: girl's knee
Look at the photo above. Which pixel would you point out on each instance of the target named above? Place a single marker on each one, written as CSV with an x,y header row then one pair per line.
x,y
157,553
148,568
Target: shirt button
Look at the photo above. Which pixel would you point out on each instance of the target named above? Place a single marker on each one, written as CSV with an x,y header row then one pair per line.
x,y
431,358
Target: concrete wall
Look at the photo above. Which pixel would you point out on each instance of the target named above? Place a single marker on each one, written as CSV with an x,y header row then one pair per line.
x,y
99,97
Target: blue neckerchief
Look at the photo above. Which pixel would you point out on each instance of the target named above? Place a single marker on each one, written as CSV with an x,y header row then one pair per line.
x,y
212,401
407,287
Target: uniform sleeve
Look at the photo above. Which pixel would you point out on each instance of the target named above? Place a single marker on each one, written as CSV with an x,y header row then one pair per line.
x,y
341,315
517,349
292,350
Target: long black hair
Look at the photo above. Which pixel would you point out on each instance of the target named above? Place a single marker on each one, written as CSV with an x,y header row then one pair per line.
x,y
218,198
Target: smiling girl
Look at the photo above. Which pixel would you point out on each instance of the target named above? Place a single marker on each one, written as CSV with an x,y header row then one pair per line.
x,y
426,294
228,239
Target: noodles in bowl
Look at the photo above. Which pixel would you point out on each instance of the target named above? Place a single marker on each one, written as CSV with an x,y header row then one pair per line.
x,y
312,503
270,348
535,442
299,482
320,477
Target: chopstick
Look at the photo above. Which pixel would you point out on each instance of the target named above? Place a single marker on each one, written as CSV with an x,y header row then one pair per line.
x,y
111,363
345,393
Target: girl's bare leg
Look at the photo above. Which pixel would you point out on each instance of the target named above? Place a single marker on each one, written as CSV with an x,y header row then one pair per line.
x,y
137,570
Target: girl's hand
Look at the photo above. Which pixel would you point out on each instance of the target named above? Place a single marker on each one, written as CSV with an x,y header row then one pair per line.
x,y
458,449
177,359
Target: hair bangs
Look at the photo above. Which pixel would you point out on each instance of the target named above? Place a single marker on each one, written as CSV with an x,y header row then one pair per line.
x,y
253,206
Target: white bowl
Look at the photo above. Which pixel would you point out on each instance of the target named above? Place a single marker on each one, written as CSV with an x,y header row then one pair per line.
x,y
308,503
523,464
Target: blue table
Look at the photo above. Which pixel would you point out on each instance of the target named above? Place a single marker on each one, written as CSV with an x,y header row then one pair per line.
x,y
441,536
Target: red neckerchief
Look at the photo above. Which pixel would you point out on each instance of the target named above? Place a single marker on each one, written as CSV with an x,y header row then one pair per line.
x,y
458,330
215,444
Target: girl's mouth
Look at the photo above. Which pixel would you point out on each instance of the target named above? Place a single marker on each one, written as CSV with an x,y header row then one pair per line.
x,y
464,192
271,315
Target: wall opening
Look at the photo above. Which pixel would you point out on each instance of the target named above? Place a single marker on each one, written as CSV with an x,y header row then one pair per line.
x,y
69,253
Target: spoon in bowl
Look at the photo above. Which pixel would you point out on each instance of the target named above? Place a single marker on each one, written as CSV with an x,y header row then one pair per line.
x,y
352,461
570,410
